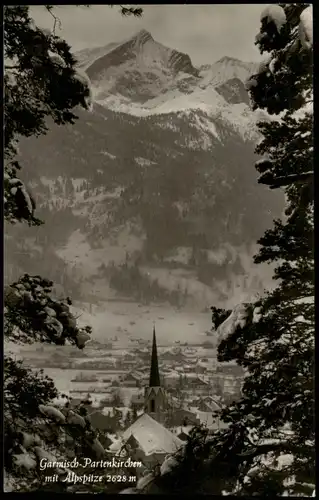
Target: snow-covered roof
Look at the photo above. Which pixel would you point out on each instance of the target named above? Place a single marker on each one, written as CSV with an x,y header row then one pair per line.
x,y
201,379
152,436
213,401
106,409
182,428
205,417
172,375
116,445
212,405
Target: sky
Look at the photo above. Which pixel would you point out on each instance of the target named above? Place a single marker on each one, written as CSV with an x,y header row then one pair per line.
x,y
204,32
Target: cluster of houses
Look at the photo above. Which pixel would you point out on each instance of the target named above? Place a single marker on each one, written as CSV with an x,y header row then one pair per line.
x,y
187,373
159,415
195,387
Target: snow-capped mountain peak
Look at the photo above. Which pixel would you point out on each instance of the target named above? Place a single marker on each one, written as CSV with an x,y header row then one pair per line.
x,y
228,59
225,69
140,47
142,77
142,37
141,188
138,68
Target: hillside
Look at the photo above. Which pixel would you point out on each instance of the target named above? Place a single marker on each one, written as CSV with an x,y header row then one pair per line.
x,y
153,196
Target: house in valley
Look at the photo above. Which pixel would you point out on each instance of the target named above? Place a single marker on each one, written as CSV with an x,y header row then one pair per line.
x,y
147,440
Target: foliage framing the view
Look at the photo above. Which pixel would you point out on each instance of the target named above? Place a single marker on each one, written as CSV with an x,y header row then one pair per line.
x,y
41,83
268,447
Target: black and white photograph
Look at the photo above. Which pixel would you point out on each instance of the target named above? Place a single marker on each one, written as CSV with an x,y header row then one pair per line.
x,y
159,317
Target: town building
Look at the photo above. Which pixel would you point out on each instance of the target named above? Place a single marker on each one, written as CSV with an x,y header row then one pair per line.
x,y
137,402
131,380
155,398
148,441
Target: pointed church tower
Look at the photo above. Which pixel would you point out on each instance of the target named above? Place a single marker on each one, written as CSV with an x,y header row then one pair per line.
x,y
155,401
154,374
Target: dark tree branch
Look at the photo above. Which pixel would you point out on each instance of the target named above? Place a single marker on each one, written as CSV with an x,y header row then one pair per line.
x,y
56,19
263,449
130,11
288,180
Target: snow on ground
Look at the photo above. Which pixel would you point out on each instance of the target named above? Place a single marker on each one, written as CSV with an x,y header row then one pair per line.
x,y
243,287
147,64
144,161
87,57
92,206
78,252
106,153
208,419
171,279
96,197
127,393
176,101
226,69
63,381
181,254
47,182
114,319
208,100
170,126
207,126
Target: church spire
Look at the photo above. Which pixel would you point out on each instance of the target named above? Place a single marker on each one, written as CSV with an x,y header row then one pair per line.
x,y
154,375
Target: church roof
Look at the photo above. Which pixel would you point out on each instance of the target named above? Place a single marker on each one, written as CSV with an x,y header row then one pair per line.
x,y
154,374
152,436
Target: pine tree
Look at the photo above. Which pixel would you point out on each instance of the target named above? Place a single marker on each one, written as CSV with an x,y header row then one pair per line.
x,y
36,429
69,188
40,82
127,420
38,64
268,446
134,414
276,346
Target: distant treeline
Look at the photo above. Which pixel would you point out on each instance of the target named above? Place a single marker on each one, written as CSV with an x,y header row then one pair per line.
x,y
129,279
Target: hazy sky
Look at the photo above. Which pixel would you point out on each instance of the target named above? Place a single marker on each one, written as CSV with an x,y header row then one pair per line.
x,y
205,32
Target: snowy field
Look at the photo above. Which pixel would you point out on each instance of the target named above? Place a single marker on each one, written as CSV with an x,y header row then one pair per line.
x,y
62,379
125,320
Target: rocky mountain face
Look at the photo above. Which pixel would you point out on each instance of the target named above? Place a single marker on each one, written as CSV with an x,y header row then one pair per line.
x,y
153,195
233,91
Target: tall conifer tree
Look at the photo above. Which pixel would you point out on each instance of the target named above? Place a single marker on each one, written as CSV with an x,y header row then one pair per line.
x,y
268,447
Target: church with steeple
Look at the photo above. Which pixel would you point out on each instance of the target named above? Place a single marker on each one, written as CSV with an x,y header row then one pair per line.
x,y
148,439
155,398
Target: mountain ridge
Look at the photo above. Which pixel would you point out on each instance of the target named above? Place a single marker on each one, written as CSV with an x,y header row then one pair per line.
x,y
153,194
144,35
139,69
